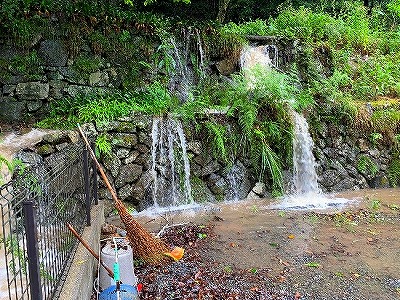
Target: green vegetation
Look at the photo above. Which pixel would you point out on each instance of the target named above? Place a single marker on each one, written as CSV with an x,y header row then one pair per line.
x,y
313,264
83,66
394,172
366,166
19,264
103,145
375,204
346,221
10,166
344,70
29,66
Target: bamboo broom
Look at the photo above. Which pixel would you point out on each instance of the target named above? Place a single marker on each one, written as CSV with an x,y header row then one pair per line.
x,y
144,245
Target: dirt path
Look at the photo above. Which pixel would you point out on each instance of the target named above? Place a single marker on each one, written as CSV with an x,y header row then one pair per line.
x,y
257,253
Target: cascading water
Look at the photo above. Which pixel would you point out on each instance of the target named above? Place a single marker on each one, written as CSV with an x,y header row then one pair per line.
x,y
306,194
188,56
266,56
305,177
170,167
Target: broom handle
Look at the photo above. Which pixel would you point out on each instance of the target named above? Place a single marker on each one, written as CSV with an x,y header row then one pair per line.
x,y
109,271
103,175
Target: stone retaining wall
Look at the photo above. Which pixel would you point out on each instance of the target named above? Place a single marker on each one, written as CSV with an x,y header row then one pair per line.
x,y
344,163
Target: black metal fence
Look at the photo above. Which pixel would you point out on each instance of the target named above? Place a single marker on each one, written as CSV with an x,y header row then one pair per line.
x,y
37,247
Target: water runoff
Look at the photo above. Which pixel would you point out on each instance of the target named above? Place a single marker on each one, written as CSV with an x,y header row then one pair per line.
x,y
171,192
306,193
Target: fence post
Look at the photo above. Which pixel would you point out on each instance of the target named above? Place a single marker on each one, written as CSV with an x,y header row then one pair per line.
x,y
87,184
32,250
95,184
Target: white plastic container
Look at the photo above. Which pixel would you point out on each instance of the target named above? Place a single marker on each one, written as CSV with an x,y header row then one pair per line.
x,y
125,261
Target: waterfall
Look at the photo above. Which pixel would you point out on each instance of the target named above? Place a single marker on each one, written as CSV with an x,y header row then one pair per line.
x,y
188,55
170,168
304,174
306,194
266,56
235,180
201,53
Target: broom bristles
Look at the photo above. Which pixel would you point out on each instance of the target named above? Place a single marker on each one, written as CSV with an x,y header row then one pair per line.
x,y
144,245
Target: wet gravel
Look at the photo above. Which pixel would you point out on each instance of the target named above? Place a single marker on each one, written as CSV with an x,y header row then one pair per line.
x,y
244,253
196,278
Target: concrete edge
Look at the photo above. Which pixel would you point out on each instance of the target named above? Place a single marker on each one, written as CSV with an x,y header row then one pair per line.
x,y
79,281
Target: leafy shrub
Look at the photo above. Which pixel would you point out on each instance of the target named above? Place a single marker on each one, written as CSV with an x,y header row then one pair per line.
x,y
377,76
366,166
103,145
257,27
83,66
217,132
386,120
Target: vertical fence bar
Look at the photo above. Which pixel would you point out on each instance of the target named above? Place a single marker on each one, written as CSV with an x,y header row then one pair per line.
x,y
32,250
95,184
87,184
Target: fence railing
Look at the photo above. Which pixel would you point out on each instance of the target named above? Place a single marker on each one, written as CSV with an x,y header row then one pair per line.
x,y
37,247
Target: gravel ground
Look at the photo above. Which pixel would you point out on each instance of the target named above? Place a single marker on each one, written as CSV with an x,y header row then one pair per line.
x,y
248,252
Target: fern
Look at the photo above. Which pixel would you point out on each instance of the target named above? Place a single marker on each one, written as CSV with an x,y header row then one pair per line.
x,y
366,166
217,132
247,117
103,145
394,172
269,161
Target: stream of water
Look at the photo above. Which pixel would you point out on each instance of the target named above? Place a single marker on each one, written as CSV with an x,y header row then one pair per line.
x,y
307,193
170,166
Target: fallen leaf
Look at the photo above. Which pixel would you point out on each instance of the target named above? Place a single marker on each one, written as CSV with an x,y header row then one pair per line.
x,y
197,275
281,278
291,236
81,261
139,287
285,263
297,296
232,245
313,264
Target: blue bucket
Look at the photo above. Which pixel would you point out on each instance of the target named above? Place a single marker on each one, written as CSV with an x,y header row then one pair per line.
x,y
127,292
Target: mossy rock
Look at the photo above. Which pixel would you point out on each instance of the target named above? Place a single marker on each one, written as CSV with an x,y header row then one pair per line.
x,y
124,139
45,149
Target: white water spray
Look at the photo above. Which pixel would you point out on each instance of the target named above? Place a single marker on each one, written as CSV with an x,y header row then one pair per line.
x,y
307,194
201,53
265,56
305,177
170,168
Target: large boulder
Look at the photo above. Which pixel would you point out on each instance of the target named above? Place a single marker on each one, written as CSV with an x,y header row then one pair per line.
x,y
128,174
